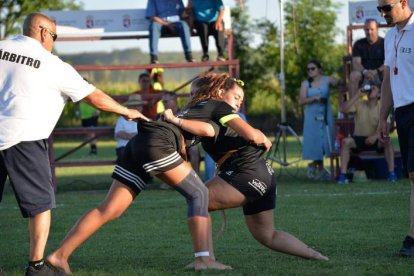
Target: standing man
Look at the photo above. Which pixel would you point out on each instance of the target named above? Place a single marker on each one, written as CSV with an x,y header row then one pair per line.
x,y
367,58
35,86
398,90
166,16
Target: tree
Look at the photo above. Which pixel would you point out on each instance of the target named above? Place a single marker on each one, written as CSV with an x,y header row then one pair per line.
x,y
12,12
257,64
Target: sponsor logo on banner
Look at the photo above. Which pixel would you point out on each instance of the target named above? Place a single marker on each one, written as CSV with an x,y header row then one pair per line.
x,y
126,22
359,13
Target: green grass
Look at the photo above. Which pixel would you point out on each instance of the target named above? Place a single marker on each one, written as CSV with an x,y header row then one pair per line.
x,y
360,226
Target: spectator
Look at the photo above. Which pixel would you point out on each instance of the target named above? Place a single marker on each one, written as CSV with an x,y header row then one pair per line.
x,y
157,78
148,94
126,129
367,58
208,20
35,86
365,136
165,17
89,118
397,91
318,118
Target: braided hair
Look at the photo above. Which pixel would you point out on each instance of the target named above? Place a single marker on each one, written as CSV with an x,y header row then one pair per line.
x,y
208,87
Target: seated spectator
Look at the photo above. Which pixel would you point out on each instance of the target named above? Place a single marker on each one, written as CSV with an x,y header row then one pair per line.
x,y
367,58
146,89
125,129
165,16
365,136
157,77
208,20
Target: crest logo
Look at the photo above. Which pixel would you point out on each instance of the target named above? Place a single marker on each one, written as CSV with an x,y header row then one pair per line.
x,y
359,14
126,21
89,22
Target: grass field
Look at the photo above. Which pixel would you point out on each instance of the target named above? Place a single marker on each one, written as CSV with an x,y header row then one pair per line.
x,y
360,226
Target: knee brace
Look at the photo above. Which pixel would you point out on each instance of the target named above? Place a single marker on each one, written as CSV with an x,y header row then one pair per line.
x,y
196,194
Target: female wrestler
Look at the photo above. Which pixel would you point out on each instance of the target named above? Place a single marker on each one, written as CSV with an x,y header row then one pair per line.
x,y
155,151
244,178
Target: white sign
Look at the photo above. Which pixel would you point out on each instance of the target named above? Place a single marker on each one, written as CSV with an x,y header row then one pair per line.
x,y
363,10
99,21
359,11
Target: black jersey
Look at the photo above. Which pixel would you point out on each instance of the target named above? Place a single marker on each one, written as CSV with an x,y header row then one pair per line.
x,y
225,139
212,111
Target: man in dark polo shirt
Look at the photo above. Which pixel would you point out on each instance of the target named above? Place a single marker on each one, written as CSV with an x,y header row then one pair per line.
x,y
367,58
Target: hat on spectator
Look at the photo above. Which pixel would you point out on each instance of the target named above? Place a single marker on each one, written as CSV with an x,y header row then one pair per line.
x,y
134,100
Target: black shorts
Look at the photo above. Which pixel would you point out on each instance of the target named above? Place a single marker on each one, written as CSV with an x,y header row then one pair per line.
x,y
90,122
147,154
404,119
28,168
256,182
361,146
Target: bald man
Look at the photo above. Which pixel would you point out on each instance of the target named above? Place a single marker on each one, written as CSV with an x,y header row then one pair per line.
x,y
367,58
35,87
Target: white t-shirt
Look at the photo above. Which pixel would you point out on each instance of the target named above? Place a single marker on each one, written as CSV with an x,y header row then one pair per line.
x,y
399,56
124,125
34,87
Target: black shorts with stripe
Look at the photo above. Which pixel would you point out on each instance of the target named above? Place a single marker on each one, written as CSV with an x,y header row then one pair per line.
x,y
256,182
152,151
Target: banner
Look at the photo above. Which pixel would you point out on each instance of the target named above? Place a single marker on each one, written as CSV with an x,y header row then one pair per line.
x,y
99,21
359,11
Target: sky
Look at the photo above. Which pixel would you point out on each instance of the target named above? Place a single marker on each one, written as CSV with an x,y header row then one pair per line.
x,y
257,9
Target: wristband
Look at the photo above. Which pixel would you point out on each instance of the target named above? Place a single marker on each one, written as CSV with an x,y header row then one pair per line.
x,y
201,254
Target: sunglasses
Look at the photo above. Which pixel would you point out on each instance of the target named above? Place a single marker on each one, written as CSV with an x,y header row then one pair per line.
x,y
311,69
387,8
52,34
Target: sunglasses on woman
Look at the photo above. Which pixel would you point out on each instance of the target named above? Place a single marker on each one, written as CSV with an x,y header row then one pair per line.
x,y
387,8
311,69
